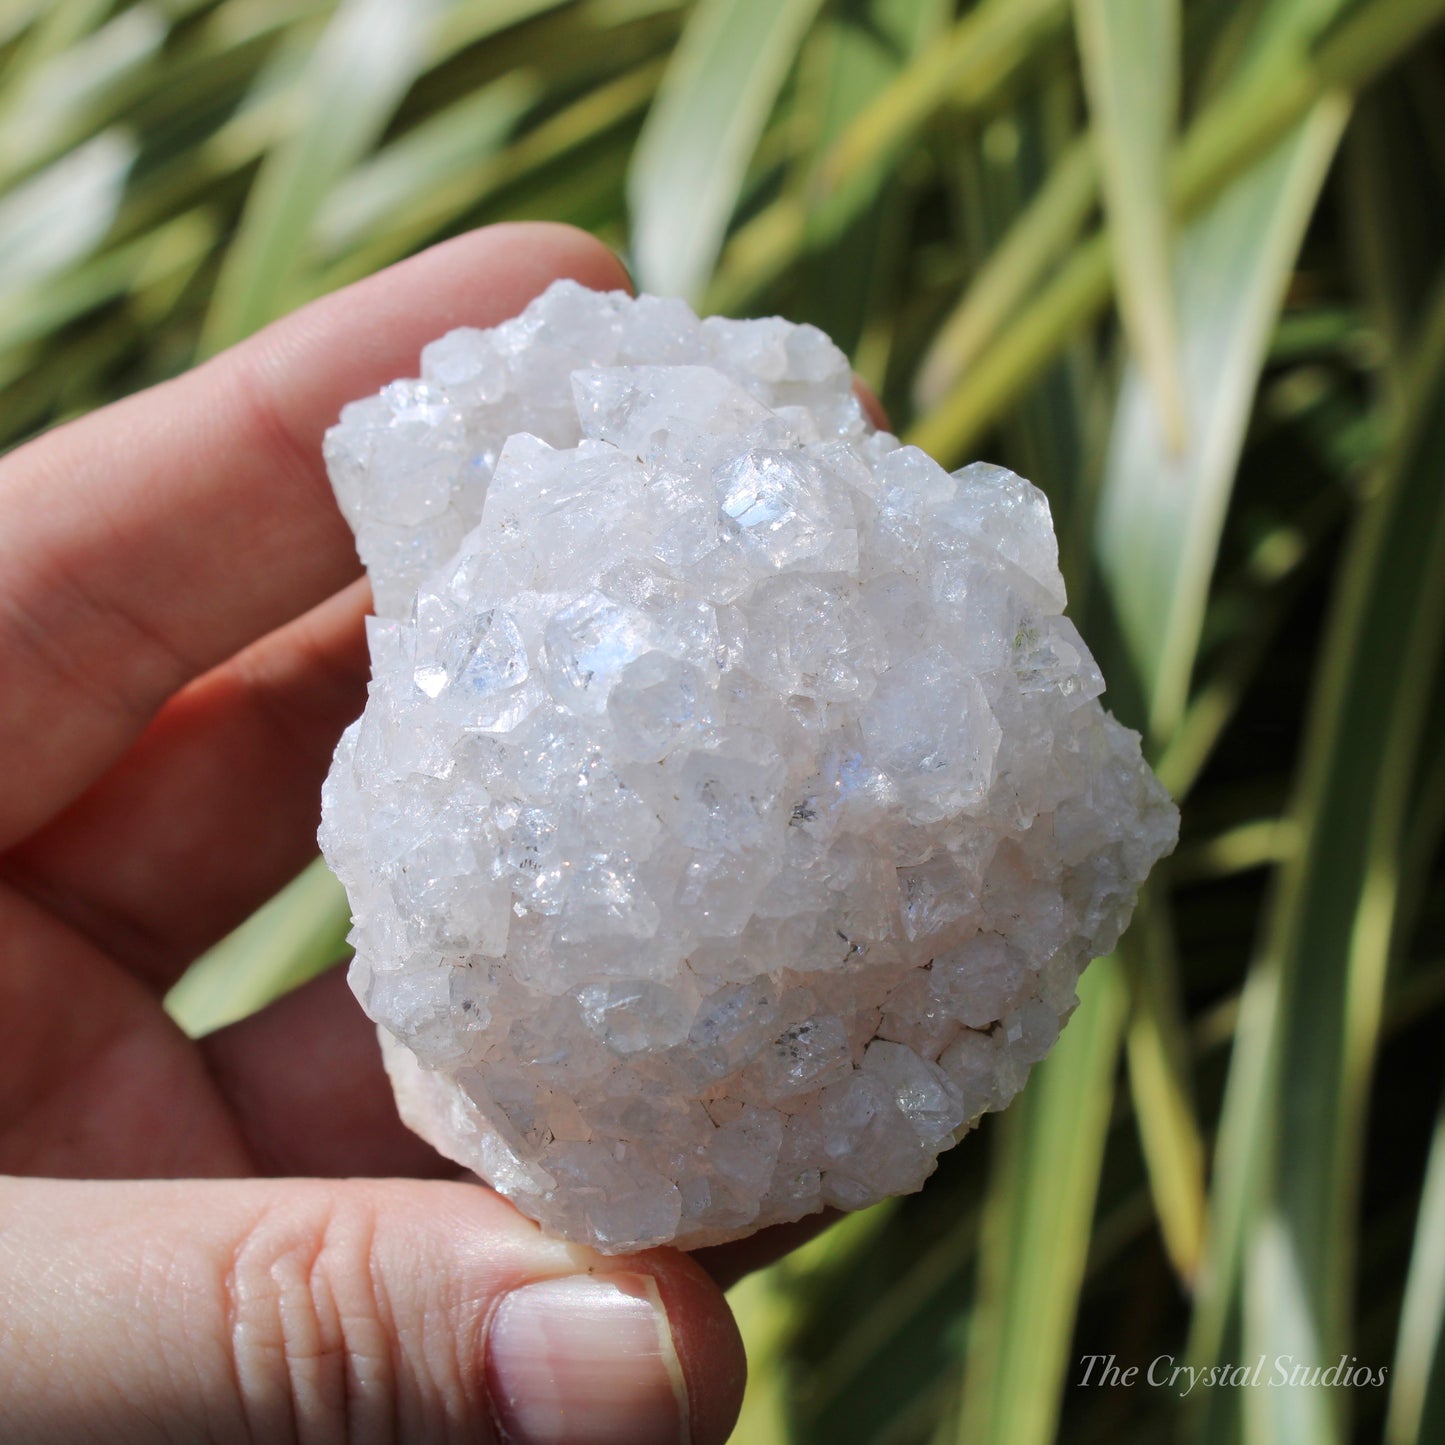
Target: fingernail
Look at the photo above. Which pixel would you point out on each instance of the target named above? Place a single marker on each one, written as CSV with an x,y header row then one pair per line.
x,y
586,1358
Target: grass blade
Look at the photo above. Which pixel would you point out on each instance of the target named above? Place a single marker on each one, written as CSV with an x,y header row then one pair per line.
x,y
1131,74
987,46
693,154
359,71
1334,922
863,48
1157,1049
853,238
1285,1215
1222,144
291,939
36,311
423,162
565,144
966,70
1161,511
1012,271
54,105
764,1311
1417,1378
56,218
1037,1226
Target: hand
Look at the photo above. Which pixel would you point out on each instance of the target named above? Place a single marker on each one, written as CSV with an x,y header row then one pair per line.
x,y
180,647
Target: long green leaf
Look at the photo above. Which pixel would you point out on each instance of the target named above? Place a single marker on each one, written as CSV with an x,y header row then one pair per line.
x,y
1131,72
34,312
1294,1113
431,156
1222,144
693,154
1047,227
853,235
63,99
967,70
51,27
1161,509
359,71
1417,1378
289,940
568,139
1333,926
1036,1226
764,1315
860,50
987,46
56,218
1160,1082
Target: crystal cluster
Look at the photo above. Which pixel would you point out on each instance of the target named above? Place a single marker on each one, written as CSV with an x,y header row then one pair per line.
x,y
733,810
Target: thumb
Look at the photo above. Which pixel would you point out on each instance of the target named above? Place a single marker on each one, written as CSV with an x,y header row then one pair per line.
x,y
310,1310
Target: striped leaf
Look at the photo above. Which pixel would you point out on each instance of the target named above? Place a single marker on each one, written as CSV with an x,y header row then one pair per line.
x,y
693,154
359,71
1131,72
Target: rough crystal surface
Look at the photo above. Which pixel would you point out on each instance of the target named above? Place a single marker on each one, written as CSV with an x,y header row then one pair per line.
x,y
733,810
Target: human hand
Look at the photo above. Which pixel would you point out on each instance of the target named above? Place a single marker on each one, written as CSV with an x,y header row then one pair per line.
x,y
180,646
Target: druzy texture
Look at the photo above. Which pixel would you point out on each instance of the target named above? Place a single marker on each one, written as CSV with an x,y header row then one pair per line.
x,y
733,810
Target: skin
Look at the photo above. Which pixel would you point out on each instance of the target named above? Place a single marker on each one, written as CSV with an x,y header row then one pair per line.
x,y
233,1238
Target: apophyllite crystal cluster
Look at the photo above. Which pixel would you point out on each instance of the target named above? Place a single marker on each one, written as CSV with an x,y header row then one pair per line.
x,y
733,810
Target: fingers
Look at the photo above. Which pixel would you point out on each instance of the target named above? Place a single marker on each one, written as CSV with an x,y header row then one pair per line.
x,y
214,807
304,1310
95,1080
147,542
307,1090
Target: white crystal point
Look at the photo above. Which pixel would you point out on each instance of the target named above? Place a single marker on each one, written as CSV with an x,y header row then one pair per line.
x,y
733,810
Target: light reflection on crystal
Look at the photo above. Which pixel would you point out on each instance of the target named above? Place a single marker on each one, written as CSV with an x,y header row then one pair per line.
x,y
733,810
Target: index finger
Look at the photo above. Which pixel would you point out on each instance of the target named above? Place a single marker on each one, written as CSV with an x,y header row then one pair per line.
x,y
149,541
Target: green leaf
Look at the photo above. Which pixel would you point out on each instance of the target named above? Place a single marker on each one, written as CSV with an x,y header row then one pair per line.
x,y
428,159
57,217
1011,272
700,135
292,938
550,171
1332,928
853,236
966,69
56,103
858,50
1161,510
1417,1377
1160,1082
1037,1226
1229,136
35,311
357,74
1131,73
1294,1116
765,1314
50,28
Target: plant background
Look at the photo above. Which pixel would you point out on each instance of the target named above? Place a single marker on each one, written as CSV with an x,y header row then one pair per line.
x,y
1180,262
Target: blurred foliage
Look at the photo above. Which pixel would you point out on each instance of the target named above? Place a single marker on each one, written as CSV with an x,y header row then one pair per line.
x,y
1180,262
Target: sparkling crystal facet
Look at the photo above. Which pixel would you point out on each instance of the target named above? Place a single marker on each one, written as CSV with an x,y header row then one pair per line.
x,y
733,810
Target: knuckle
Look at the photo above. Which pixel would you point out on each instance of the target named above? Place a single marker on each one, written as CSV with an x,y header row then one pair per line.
x,y
340,1329
311,1343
